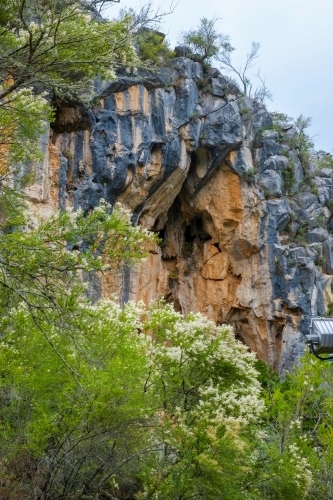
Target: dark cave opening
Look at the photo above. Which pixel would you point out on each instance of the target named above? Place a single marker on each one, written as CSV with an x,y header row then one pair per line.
x,y
195,229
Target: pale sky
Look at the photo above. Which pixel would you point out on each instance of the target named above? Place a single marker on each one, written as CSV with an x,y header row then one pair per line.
x,y
296,54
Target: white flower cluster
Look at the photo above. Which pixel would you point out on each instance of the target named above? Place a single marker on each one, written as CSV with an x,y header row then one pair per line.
x,y
26,98
228,392
73,215
303,474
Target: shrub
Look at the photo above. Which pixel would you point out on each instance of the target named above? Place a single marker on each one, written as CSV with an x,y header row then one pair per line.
x,y
288,175
153,48
205,41
326,161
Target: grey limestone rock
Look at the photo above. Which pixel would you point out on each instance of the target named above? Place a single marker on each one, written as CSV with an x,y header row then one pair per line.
x,y
271,182
283,222
187,98
275,162
326,172
268,148
184,66
278,211
217,88
261,119
223,127
287,126
290,134
297,167
330,224
197,71
150,80
183,51
316,235
324,194
229,85
213,72
328,256
241,162
306,199
269,135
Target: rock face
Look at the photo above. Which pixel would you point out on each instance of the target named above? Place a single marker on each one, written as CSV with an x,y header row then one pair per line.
x,y
201,165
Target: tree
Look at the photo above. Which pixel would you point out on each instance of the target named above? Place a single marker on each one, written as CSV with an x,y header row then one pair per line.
x,y
283,465
70,421
260,93
153,48
298,426
208,44
205,41
38,265
42,45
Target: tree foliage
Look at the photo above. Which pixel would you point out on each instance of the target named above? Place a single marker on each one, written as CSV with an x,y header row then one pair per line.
x,y
299,421
153,48
42,44
93,401
38,265
41,57
205,41
207,44
60,351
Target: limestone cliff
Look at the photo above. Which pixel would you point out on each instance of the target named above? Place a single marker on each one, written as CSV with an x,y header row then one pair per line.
x,y
201,165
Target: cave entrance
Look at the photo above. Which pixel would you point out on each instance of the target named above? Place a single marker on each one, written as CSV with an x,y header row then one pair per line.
x,y
194,230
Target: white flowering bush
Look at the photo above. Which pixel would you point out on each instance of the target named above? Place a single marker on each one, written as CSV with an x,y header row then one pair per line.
x,y
207,396
215,371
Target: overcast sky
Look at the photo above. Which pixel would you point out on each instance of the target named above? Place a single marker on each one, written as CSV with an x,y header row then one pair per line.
x,y
296,54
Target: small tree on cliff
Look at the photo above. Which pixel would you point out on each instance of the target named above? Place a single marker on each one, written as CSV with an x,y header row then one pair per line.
x,y
208,44
260,93
205,41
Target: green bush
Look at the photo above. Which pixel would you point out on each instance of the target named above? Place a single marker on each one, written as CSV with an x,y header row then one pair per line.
x,y
288,175
325,162
153,48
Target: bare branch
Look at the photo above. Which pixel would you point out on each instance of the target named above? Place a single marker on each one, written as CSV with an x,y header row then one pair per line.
x,y
262,93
